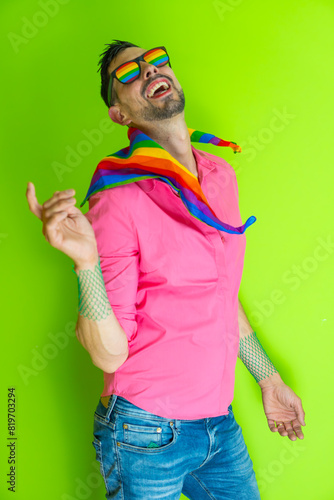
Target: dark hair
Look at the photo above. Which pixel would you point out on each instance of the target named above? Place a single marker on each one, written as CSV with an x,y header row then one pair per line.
x,y
106,57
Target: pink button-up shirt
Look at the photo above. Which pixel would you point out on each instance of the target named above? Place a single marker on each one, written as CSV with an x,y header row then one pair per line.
x,y
173,283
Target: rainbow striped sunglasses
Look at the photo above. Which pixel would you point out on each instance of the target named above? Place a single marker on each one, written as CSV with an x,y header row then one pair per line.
x,y
129,72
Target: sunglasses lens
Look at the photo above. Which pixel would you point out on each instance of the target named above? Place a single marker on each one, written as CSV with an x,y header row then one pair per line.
x,y
157,57
128,72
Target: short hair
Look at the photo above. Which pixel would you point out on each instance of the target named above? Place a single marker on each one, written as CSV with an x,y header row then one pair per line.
x,y
106,57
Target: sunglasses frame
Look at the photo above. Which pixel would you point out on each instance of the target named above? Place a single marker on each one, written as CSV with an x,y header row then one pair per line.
x,y
136,60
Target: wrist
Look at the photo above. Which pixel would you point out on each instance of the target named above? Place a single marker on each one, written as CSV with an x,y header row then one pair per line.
x,y
274,379
93,298
86,264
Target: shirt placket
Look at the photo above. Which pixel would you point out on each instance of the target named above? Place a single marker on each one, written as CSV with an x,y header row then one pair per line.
x,y
216,239
218,242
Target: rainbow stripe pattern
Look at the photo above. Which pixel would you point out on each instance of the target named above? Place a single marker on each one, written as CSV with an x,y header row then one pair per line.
x,y
145,159
130,70
158,57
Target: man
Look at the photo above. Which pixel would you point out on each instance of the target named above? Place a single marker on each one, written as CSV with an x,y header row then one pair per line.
x,y
158,302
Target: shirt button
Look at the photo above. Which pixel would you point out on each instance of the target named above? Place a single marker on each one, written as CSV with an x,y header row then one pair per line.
x,y
125,426
159,429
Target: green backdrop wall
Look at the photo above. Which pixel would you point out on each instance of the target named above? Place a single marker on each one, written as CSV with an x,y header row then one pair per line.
x,y
257,73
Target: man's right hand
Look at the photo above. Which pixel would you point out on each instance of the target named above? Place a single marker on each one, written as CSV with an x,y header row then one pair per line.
x,y
64,226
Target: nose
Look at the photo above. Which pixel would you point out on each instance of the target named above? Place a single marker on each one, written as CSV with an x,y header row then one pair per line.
x,y
148,70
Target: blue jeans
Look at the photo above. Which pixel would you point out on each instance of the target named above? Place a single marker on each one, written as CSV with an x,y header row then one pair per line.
x,y
145,457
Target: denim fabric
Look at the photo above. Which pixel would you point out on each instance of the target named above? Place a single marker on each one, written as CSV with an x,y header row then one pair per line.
x,y
143,456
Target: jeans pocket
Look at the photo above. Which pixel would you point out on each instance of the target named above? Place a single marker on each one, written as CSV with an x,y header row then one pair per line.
x,y
144,435
97,445
98,448
99,457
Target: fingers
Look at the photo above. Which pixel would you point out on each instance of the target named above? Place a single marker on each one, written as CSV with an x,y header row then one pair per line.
x,y
59,201
57,196
286,430
292,431
34,206
297,429
49,228
54,211
272,425
59,205
281,428
300,412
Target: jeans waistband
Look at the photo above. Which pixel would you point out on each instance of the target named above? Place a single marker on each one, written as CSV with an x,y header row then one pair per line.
x,y
122,403
125,405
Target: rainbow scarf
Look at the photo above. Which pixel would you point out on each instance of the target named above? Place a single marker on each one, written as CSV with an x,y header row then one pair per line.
x,y
145,159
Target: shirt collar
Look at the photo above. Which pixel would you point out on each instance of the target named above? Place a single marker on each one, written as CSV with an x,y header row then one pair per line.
x,y
204,165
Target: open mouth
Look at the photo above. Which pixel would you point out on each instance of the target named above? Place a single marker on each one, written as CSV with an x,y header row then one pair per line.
x,y
158,90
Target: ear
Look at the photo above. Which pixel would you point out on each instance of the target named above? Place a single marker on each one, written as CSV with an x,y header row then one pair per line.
x,y
117,116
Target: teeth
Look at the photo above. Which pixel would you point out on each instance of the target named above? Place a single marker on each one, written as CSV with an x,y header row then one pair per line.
x,y
156,86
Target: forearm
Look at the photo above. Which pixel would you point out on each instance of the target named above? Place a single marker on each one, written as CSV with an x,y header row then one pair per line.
x,y
253,355
97,328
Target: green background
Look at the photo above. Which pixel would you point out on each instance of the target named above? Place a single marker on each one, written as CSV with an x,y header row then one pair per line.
x,y
257,73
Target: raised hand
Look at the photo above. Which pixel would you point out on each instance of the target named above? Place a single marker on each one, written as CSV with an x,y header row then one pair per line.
x,y
64,226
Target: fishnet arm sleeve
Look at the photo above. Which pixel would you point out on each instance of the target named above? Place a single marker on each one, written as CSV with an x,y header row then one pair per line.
x,y
93,299
255,358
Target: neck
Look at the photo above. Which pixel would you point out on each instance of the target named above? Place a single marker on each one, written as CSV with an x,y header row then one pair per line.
x,y
173,136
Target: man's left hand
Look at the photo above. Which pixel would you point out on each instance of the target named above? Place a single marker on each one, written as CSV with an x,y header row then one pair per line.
x,y
282,405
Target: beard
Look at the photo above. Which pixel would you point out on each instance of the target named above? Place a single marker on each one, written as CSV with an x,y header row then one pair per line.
x,y
170,108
